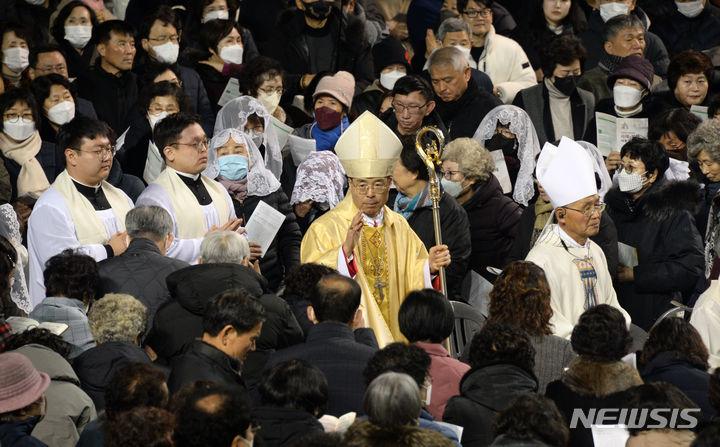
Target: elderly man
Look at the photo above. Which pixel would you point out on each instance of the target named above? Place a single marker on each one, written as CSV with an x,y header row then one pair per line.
x,y
80,210
364,239
575,266
197,204
460,103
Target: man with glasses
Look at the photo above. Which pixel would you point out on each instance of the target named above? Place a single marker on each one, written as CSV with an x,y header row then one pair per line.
x,y
575,266
80,210
197,204
364,239
413,106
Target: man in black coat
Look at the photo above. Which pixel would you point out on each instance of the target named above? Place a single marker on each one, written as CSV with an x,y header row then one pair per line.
x,y
331,345
142,269
231,327
460,103
411,179
685,29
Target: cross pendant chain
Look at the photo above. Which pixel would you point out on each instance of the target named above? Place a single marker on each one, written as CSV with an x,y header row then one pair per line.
x,y
379,286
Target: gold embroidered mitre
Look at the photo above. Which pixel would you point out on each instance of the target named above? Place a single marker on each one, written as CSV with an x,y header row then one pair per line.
x,y
368,148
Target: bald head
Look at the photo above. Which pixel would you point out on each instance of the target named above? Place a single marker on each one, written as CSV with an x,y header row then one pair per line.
x,y
336,298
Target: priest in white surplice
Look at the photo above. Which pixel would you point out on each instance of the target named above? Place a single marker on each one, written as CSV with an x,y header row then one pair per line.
x,y
80,210
197,204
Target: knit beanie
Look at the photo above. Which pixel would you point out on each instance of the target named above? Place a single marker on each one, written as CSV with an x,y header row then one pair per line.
x,y
387,52
340,86
633,67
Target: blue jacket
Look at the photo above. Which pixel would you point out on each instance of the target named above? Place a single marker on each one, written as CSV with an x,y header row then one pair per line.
x,y
17,434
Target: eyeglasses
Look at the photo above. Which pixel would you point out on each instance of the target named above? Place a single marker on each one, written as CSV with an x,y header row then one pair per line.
x,y
401,108
448,173
377,187
199,145
589,212
472,13
267,91
59,69
14,117
102,152
164,39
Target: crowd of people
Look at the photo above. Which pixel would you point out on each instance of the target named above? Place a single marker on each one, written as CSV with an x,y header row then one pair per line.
x,y
219,222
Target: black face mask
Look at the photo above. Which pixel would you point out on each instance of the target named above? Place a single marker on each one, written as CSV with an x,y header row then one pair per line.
x,y
319,10
501,142
566,85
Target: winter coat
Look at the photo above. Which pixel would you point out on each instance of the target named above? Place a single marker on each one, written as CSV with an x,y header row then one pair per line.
x,y
71,312
552,355
69,408
140,271
455,234
682,33
48,161
17,434
282,427
493,221
478,404
96,366
216,81
97,85
462,116
284,250
206,363
660,226
446,373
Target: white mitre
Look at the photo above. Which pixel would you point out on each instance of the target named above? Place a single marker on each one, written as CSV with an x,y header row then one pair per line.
x,y
566,172
368,148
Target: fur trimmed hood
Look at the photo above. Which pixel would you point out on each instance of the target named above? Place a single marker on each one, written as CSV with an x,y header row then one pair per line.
x,y
590,377
660,201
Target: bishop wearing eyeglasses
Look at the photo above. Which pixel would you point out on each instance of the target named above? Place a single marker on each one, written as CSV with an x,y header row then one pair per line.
x,y
80,210
197,204
364,239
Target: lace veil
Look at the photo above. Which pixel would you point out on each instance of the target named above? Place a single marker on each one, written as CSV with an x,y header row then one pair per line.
x,y
599,166
320,178
10,229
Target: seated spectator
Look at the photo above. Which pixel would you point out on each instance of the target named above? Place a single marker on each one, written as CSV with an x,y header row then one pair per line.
x,y
293,396
299,287
331,345
319,186
71,284
597,378
133,385
501,58
215,416
141,427
672,128
467,170
58,104
72,30
557,107
203,11
392,402
643,207
461,104
503,356
15,43
231,327
510,129
262,78
691,25
117,323
659,395
69,409
521,297
675,353
390,64
426,320
530,420
690,75
23,403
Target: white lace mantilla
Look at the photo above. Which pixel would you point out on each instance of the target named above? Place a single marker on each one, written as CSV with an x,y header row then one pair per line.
x,y
320,178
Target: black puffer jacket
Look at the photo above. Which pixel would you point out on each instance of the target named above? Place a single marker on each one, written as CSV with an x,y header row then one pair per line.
x,y
281,427
660,226
205,363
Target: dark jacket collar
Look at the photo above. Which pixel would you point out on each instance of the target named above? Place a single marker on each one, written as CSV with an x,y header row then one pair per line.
x,y
448,110
215,355
660,201
141,244
329,329
508,380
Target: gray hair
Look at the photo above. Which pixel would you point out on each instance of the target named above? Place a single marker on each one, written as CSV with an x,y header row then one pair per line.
x,y
706,137
117,317
224,247
453,25
393,398
150,221
448,56
474,160
614,26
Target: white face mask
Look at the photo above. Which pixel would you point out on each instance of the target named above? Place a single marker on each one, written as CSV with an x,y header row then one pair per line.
x,y
78,36
465,50
450,187
167,53
232,54
256,136
20,130
216,15
626,96
610,10
154,119
388,80
690,9
17,59
62,113
630,182
269,100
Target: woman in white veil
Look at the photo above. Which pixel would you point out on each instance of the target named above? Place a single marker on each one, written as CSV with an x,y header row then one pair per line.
x,y
496,131
15,255
250,116
235,162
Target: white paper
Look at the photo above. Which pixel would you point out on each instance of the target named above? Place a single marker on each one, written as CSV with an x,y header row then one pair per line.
x,y
455,428
154,164
479,292
120,142
613,132
699,111
282,130
501,171
300,148
631,359
232,91
22,324
609,435
264,225
627,255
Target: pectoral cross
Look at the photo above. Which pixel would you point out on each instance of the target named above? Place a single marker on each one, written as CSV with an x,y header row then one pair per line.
x,y
379,286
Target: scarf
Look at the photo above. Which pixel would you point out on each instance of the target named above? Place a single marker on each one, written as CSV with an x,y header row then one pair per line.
x,y
560,111
543,212
406,206
712,233
325,139
608,62
32,180
238,189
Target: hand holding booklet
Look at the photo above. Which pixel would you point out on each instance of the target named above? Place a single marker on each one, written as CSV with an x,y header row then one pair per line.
x,y
263,225
613,132
22,324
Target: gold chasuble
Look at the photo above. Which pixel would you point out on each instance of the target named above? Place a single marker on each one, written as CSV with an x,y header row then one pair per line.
x,y
403,259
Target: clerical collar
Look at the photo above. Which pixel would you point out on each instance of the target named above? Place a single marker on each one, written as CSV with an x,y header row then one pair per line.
x,y
569,241
197,187
374,221
185,174
94,194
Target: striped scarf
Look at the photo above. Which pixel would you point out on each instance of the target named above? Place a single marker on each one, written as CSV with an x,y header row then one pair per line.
x,y
588,276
